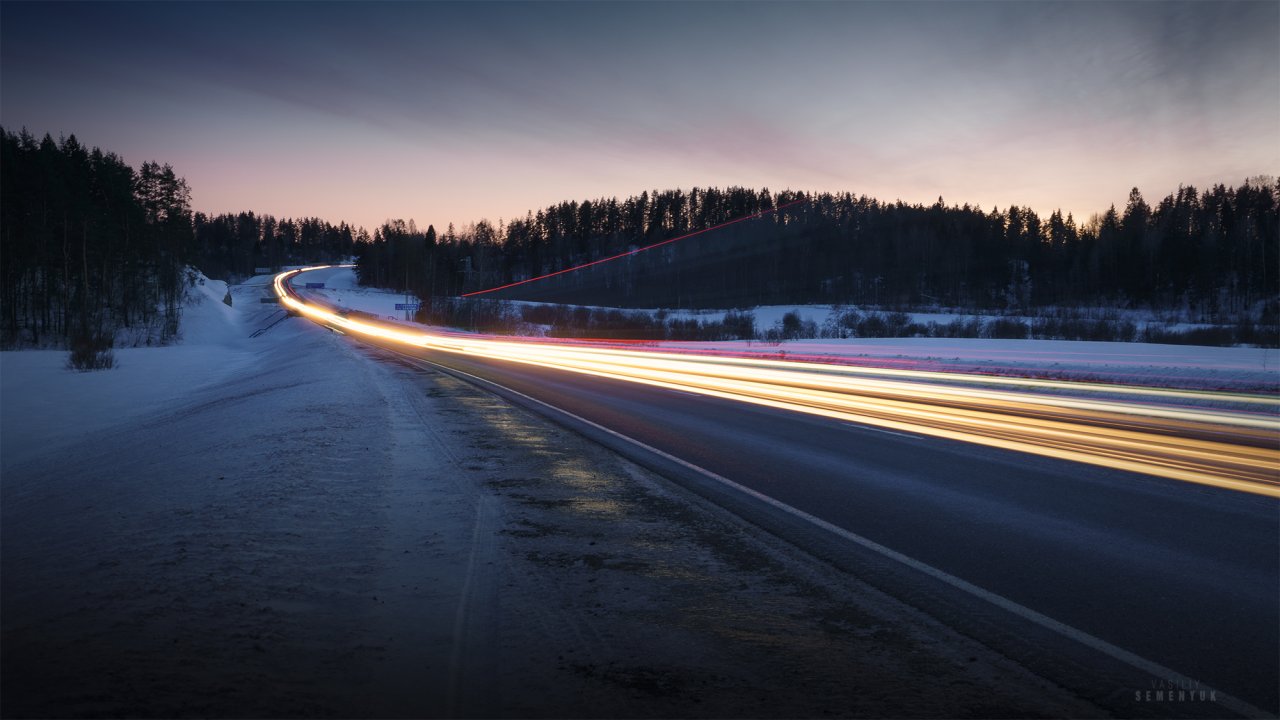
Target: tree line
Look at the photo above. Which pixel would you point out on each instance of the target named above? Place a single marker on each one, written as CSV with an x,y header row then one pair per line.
x,y
236,245
92,250
89,246
1215,252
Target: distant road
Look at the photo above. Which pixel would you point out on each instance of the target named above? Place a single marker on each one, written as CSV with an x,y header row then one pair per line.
x,y
1174,576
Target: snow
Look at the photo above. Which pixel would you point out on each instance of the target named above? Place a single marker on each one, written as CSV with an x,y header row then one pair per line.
x,y
343,290
1181,366
47,405
287,525
206,320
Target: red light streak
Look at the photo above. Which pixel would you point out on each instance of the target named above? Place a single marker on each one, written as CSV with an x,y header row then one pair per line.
x,y
752,216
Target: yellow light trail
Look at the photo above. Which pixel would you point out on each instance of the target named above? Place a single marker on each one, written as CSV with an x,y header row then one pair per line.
x,y
1134,428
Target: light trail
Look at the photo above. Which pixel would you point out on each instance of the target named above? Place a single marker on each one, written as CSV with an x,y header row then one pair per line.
x,y
1137,429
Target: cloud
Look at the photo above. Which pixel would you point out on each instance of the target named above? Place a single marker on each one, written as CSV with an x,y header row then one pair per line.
x,y
889,99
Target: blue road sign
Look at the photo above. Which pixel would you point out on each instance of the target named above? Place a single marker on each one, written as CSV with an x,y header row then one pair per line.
x,y
315,286
408,306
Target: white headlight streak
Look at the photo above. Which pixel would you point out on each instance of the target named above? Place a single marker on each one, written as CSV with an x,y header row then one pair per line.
x,y
1155,431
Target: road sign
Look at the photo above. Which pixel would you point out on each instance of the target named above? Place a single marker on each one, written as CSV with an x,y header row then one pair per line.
x,y
408,306
262,271
272,299
315,286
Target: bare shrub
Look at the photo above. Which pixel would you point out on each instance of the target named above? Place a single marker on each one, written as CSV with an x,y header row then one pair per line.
x,y
91,350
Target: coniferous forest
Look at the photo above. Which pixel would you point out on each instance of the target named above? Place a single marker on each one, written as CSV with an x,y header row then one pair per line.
x,y
91,247
93,250
1215,251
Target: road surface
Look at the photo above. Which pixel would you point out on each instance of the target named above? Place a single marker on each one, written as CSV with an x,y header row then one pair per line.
x,y
1117,584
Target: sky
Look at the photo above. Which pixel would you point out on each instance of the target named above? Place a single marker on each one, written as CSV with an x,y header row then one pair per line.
x,y
442,112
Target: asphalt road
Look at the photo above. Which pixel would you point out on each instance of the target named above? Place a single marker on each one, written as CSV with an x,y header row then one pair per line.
x,y
1182,575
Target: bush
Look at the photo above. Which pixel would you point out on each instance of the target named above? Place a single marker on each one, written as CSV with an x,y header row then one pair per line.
x,y
1247,333
958,328
1126,331
873,326
1003,328
540,314
842,323
1267,336
1212,336
793,327
899,323
886,325
739,325
496,316
1109,328
567,321
91,351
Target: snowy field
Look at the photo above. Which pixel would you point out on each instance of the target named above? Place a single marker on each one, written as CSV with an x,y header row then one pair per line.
x,y
1182,366
46,404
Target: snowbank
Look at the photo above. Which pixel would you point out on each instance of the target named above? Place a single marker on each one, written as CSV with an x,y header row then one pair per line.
x,y
206,319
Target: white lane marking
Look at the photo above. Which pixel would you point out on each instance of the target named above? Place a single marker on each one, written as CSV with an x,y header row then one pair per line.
x,y
856,426
1133,660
